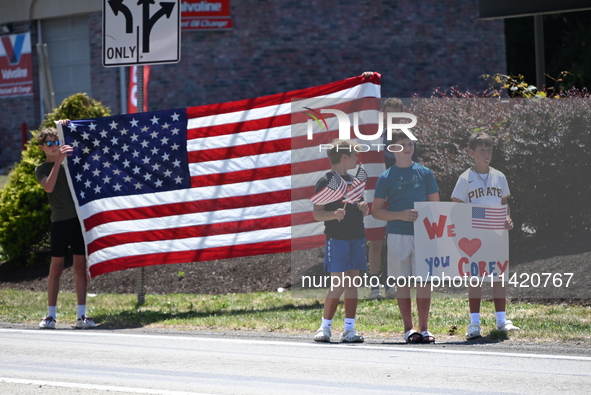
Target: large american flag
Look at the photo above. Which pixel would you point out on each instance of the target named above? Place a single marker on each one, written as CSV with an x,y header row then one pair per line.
x,y
208,182
489,217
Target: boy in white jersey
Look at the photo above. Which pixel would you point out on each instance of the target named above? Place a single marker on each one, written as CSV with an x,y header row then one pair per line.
x,y
482,184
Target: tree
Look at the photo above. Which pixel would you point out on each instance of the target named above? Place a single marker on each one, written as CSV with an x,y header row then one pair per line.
x,y
24,209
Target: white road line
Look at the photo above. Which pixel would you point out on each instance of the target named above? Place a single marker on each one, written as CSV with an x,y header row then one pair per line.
x,y
98,387
88,333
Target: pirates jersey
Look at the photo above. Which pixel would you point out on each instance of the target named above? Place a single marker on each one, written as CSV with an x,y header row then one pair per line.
x,y
486,189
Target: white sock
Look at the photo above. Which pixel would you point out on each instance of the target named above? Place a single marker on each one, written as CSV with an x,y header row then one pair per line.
x,y
374,281
501,317
81,310
475,318
349,323
52,311
326,323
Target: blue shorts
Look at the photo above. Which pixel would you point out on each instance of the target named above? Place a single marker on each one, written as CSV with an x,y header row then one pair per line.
x,y
343,255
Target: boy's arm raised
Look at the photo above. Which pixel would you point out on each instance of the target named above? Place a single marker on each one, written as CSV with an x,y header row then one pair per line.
x,y
48,183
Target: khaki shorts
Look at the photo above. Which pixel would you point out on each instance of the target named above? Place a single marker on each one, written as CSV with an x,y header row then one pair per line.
x,y
401,255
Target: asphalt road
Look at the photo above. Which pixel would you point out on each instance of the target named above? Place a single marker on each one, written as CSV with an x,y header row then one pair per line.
x,y
92,362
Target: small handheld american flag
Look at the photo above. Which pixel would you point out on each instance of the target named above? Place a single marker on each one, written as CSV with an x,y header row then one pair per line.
x,y
333,191
489,217
356,192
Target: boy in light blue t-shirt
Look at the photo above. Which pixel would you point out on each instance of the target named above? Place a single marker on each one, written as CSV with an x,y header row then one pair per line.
x,y
397,189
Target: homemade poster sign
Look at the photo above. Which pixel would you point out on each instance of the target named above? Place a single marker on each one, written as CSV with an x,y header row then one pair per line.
x,y
460,240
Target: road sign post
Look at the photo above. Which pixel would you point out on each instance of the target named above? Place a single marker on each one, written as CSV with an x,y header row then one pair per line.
x,y
141,272
139,33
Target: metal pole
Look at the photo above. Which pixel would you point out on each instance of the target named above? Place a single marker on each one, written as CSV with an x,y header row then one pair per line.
x,y
123,88
141,293
140,88
139,283
539,42
48,101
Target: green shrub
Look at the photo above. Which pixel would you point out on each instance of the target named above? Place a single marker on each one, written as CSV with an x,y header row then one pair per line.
x,y
543,146
24,209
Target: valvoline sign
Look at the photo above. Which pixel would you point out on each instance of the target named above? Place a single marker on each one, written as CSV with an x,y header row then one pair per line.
x,y
205,15
16,66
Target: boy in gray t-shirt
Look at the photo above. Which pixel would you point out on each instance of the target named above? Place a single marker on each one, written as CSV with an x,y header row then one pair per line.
x,y
65,227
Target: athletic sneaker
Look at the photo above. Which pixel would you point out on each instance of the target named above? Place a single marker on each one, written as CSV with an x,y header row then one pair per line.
x,y
375,293
47,323
507,326
474,331
322,335
391,293
84,322
352,336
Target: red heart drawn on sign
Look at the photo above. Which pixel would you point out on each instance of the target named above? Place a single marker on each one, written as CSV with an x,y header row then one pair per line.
x,y
469,246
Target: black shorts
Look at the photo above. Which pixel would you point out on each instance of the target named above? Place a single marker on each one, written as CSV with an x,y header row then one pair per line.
x,y
66,234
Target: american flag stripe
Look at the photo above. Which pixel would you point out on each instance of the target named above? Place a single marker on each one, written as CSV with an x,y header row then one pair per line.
x,y
356,193
275,162
240,176
190,220
264,109
190,231
182,208
127,261
184,202
245,190
212,247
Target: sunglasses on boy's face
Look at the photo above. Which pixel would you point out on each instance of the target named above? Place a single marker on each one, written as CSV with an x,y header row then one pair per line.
x,y
50,143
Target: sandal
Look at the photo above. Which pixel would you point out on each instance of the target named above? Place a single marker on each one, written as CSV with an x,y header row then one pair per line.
x,y
427,337
413,337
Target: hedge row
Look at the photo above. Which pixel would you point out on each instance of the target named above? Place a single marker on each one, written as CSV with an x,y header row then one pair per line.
x,y
542,145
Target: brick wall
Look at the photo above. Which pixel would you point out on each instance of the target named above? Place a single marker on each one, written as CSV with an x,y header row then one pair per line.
x,y
279,45
417,45
105,80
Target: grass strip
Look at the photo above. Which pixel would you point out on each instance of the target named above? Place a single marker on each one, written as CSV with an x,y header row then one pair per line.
x,y
279,312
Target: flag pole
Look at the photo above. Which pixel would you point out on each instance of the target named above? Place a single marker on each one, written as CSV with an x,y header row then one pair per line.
x,y
140,271
356,176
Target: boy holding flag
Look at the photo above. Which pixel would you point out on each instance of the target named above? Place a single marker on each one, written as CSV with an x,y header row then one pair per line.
x,y
337,202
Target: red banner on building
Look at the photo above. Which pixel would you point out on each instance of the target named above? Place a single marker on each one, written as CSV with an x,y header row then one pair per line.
x,y
16,66
205,15
132,92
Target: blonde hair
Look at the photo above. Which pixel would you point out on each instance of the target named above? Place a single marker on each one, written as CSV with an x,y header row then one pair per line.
x,y
339,148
